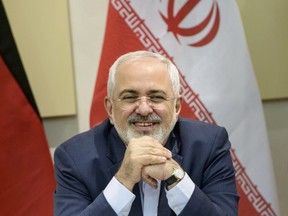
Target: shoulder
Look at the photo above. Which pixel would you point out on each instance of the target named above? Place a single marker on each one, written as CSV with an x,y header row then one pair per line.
x,y
200,134
192,127
84,142
201,145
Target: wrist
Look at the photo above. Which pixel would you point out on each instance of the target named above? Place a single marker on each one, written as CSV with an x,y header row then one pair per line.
x,y
176,176
125,181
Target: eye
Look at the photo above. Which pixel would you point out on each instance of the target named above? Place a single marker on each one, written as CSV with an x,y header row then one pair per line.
x,y
129,98
157,98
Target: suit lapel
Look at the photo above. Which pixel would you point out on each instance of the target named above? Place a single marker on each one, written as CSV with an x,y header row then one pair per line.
x,y
163,207
136,209
115,151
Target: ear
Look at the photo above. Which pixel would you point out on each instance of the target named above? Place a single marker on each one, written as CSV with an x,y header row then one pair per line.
x,y
178,105
108,107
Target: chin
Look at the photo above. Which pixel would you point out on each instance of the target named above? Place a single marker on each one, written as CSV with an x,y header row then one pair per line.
x,y
159,135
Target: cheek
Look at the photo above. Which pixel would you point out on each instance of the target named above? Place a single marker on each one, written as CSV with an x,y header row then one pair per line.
x,y
120,116
166,114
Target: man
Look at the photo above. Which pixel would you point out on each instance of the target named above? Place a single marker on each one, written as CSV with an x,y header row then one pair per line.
x,y
144,159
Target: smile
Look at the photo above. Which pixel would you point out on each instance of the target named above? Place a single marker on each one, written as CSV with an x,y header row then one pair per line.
x,y
144,124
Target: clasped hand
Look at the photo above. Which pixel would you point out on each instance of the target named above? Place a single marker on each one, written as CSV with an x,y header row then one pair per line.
x,y
145,158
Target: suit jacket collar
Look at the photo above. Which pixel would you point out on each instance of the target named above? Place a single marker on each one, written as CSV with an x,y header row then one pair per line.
x,y
115,151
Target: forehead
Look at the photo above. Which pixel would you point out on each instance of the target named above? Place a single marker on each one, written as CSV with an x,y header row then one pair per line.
x,y
142,75
141,62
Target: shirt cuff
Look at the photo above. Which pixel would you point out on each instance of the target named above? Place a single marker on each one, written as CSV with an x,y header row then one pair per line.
x,y
119,197
179,195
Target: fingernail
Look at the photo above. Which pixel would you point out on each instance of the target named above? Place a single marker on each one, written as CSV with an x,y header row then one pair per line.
x,y
170,153
163,158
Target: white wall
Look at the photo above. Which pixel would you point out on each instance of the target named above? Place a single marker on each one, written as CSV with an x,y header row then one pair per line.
x,y
276,115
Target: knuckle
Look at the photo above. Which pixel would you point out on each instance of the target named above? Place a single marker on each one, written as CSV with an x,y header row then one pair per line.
x,y
152,151
144,171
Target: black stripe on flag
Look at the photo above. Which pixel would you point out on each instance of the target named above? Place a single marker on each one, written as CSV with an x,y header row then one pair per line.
x,y
12,59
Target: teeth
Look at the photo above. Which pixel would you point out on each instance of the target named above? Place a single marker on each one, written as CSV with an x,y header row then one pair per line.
x,y
143,124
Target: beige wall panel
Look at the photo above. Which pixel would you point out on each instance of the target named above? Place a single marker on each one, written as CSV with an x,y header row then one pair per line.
x,y
266,26
41,31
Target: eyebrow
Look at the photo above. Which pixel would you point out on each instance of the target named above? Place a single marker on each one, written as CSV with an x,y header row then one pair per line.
x,y
157,91
125,91
132,91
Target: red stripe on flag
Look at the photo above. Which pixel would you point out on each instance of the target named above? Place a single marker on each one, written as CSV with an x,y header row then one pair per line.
x,y
27,182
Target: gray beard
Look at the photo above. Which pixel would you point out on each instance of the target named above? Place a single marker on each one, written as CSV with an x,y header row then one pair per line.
x,y
159,134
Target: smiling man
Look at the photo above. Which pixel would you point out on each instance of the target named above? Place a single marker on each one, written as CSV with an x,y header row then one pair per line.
x,y
145,159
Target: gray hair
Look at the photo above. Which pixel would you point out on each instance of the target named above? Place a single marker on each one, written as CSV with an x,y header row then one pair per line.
x,y
133,56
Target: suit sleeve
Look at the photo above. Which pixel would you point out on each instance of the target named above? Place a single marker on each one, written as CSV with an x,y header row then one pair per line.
x,y
71,197
217,194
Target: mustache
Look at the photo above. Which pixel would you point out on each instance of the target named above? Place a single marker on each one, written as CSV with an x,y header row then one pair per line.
x,y
137,117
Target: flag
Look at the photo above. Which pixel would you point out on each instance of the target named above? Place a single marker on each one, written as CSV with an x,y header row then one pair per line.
x,y
26,168
206,41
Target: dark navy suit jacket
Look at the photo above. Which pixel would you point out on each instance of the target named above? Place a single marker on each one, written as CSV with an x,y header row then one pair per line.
x,y
85,164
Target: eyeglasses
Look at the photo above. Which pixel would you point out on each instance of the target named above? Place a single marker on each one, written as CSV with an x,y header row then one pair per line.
x,y
131,102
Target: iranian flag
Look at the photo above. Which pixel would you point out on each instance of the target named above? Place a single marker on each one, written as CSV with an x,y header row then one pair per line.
x,y
206,41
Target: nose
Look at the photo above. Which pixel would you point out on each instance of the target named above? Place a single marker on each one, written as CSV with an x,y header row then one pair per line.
x,y
143,107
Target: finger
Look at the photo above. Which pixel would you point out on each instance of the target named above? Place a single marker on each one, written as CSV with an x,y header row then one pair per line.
x,y
150,149
158,152
150,181
150,160
149,145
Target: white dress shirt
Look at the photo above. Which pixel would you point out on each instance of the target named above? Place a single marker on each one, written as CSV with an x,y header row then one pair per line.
x,y
121,199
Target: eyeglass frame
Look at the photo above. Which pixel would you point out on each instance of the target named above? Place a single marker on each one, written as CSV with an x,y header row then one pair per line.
x,y
136,101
